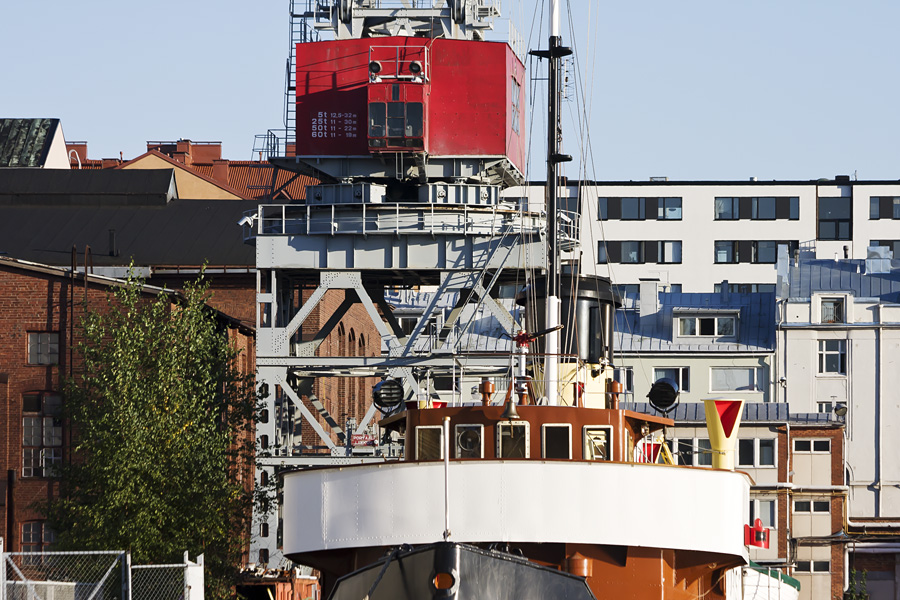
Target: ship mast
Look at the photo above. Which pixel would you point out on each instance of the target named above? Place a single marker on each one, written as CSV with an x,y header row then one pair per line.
x,y
554,53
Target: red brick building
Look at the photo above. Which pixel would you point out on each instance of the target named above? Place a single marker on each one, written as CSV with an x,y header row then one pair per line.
x,y
40,307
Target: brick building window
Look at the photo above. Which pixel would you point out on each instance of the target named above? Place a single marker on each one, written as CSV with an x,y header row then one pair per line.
x,y
36,537
43,348
42,433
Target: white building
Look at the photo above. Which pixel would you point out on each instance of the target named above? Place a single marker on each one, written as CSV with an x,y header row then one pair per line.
x,y
693,235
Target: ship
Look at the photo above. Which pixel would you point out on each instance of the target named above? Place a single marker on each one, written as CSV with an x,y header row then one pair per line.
x,y
519,476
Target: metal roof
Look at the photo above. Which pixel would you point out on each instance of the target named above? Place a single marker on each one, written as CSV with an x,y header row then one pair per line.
x,y
65,187
811,276
26,142
754,412
756,324
179,233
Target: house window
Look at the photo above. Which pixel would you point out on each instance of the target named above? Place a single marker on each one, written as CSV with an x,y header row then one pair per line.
x,y
513,440
815,566
726,252
630,290
727,209
707,326
806,446
603,209
669,253
756,452
42,434
681,376
736,379
429,442
794,208
835,216
556,441
746,288
833,357
602,254
832,310
632,252
764,510
597,442
669,209
884,207
37,537
43,348
762,209
704,452
634,209
625,376
812,506
765,252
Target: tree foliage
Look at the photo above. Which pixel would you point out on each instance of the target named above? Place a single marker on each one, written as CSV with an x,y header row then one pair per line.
x,y
161,419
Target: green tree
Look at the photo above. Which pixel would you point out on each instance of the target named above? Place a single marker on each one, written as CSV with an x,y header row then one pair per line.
x,y
162,421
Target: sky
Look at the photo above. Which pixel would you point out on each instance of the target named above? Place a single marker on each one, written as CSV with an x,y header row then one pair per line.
x,y
690,90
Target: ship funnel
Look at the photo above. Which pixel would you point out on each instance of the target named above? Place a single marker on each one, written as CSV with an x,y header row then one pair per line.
x,y
586,312
723,419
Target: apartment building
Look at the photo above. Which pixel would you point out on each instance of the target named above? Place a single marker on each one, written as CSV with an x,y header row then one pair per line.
x,y
693,235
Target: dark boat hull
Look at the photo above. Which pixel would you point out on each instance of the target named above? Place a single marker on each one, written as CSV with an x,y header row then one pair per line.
x,y
411,573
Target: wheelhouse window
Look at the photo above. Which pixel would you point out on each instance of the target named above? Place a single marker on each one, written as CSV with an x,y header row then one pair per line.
x,y
513,440
469,441
43,348
556,440
42,434
833,357
429,442
597,442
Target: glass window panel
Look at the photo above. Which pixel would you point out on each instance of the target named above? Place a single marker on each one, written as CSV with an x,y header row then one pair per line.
x,y
669,208
874,207
767,453
766,512
724,252
632,252
429,443
603,208
745,453
802,445
821,506
725,325
765,251
734,379
794,208
821,566
52,431
596,443
707,326
763,208
895,214
602,256
31,403
704,452
513,440
414,120
687,326
670,252
557,441
821,446
31,431
685,452
726,208
802,506
633,208
377,119
395,119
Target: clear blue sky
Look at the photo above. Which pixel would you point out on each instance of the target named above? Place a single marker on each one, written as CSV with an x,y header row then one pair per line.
x,y
697,89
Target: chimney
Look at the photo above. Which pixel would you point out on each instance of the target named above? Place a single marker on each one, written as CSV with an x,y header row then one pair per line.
x,y
649,302
183,152
220,170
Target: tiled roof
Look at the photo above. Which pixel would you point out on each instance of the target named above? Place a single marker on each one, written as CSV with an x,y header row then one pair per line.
x,y
254,180
26,142
655,333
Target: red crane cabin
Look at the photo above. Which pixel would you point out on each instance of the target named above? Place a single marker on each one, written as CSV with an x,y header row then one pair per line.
x,y
445,98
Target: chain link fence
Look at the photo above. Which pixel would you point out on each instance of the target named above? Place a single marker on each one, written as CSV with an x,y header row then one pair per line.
x,y
95,576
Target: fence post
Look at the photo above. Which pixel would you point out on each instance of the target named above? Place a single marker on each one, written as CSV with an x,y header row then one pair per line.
x,y
2,571
126,579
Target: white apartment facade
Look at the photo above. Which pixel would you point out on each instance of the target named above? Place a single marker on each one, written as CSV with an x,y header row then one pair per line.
x,y
693,235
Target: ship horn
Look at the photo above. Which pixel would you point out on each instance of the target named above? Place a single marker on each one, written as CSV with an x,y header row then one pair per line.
x,y
510,413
